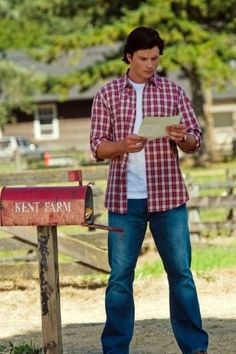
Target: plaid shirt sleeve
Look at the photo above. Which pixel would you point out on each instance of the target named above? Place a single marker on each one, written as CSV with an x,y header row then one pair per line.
x,y
100,123
189,118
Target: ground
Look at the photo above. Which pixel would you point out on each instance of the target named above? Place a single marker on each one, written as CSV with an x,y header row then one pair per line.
x,y
82,311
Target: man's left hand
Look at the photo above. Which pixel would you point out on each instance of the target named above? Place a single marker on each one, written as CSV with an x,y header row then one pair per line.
x,y
177,132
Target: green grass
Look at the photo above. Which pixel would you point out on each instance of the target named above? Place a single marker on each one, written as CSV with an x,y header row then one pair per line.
x,y
213,257
204,259
4,254
23,348
213,214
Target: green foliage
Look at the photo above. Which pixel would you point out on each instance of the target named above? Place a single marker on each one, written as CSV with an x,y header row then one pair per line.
x,y
191,34
213,257
21,34
87,77
200,37
4,115
20,349
193,30
17,89
57,25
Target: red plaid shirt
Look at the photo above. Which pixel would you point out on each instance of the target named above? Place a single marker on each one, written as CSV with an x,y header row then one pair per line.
x,y
113,117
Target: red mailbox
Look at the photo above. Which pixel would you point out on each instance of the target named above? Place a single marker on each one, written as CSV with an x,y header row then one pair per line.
x,y
49,206
25,206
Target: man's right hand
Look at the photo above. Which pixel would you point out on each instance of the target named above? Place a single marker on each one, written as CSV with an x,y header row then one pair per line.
x,y
112,149
134,143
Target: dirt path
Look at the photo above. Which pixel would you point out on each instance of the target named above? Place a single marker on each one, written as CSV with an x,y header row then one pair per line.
x,y
83,315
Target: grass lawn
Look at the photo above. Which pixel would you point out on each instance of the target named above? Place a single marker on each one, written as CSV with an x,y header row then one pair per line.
x,y
205,257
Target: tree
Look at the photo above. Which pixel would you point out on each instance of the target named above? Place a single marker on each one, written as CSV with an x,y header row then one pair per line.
x,y
200,37
45,29
201,45
16,88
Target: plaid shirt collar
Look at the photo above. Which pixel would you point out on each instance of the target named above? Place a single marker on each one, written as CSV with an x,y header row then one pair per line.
x,y
154,80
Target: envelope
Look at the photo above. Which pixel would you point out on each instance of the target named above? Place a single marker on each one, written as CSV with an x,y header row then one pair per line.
x,y
155,127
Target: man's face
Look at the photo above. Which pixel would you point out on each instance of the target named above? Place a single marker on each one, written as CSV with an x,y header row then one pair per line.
x,y
143,64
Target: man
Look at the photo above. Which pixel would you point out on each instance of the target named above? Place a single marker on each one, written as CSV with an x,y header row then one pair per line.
x,y
145,186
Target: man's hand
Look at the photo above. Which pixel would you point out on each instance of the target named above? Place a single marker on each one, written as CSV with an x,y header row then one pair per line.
x,y
112,149
177,132
134,143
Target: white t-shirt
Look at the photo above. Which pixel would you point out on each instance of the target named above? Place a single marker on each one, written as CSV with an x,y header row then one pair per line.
x,y
136,169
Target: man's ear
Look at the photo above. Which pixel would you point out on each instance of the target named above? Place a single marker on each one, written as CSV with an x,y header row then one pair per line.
x,y
129,57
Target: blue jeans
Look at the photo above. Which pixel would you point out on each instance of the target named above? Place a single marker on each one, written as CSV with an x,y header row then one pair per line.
x,y
171,236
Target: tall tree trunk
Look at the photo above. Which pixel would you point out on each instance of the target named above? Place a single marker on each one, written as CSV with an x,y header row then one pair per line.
x,y
204,116
209,131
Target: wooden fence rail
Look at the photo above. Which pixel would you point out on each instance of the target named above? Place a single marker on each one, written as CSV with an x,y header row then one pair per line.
x,y
226,200
37,177
89,248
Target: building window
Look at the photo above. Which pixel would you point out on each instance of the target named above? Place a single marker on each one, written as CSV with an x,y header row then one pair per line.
x,y
224,126
46,125
223,119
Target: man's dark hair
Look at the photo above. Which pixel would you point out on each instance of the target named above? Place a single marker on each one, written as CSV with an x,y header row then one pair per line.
x,y
142,38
